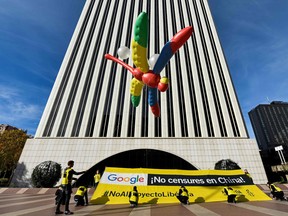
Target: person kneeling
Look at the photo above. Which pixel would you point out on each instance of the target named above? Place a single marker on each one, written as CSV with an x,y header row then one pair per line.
x,y
81,193
231,194
183,196
276,192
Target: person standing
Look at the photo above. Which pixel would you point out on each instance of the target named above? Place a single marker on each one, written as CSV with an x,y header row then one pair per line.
x,y
183,195
66,184
133,197
97,178
80,195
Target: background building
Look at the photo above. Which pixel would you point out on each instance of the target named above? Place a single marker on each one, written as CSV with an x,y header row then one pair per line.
x,y
270,125
5,127
89,117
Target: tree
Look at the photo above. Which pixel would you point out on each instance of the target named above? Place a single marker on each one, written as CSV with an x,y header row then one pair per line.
x,y
226,164
11,146
46,174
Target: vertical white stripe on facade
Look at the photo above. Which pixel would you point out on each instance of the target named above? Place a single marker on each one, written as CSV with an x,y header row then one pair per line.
x,y
55,89
185,81
208,89
163,106
127,101
198,91
174,73
83,77
211,102
184,69
196,82
95,75
174,99
116,88
138,117
151,23
138,111
105,80
114,92
126,84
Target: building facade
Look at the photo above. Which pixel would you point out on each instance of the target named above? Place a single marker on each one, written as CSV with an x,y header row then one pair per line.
x,y
89,116
270,125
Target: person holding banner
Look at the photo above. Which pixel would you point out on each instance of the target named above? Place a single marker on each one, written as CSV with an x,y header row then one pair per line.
x,y
231,194
183,195
133,197
276,191
67,178
80,195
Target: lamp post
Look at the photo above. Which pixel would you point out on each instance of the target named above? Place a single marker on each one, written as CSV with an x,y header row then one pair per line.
x,y
279,150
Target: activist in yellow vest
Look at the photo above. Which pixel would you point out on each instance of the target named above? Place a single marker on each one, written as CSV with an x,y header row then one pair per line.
x,y
133,197
276,192
276,188
231,194
97,178
183,195
65,179
81,193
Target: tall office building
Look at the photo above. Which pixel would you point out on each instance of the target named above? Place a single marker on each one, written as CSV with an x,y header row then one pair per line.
x,y
270,125
89,116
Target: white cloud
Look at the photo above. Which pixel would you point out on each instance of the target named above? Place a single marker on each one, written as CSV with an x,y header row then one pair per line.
x,y
17,111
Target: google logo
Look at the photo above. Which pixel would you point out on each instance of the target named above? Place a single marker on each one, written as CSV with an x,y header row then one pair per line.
x,y
127,179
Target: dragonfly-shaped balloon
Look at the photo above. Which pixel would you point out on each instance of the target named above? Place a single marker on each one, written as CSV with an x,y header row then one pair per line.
x,y
142,75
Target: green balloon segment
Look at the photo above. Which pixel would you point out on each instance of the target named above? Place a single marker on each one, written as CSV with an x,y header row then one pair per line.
x,y
135,100
141,30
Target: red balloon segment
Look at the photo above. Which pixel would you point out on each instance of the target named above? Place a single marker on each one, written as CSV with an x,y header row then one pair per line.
x,y
180,38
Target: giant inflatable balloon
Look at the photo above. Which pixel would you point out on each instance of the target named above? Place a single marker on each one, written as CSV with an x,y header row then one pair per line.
x,y
142,75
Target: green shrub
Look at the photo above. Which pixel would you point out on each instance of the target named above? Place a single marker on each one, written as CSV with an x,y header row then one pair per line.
x,y
46,174
4,182
226,164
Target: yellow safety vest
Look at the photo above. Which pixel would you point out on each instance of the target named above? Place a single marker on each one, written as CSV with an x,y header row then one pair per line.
x,y
276,188
65,179
97,178
134,196
230,191
184,193
81,191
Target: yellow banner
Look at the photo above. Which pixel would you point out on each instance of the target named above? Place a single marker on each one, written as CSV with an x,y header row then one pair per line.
x,y
162,185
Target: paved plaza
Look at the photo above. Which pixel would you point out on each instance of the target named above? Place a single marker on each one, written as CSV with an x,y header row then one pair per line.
x,y
35,202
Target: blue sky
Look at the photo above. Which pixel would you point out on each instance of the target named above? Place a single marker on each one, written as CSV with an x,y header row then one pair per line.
x,y
34,36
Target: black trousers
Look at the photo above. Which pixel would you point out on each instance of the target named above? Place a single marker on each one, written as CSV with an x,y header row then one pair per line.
x,y
66,195
59,197
79,200
231,198
278,195
183,199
